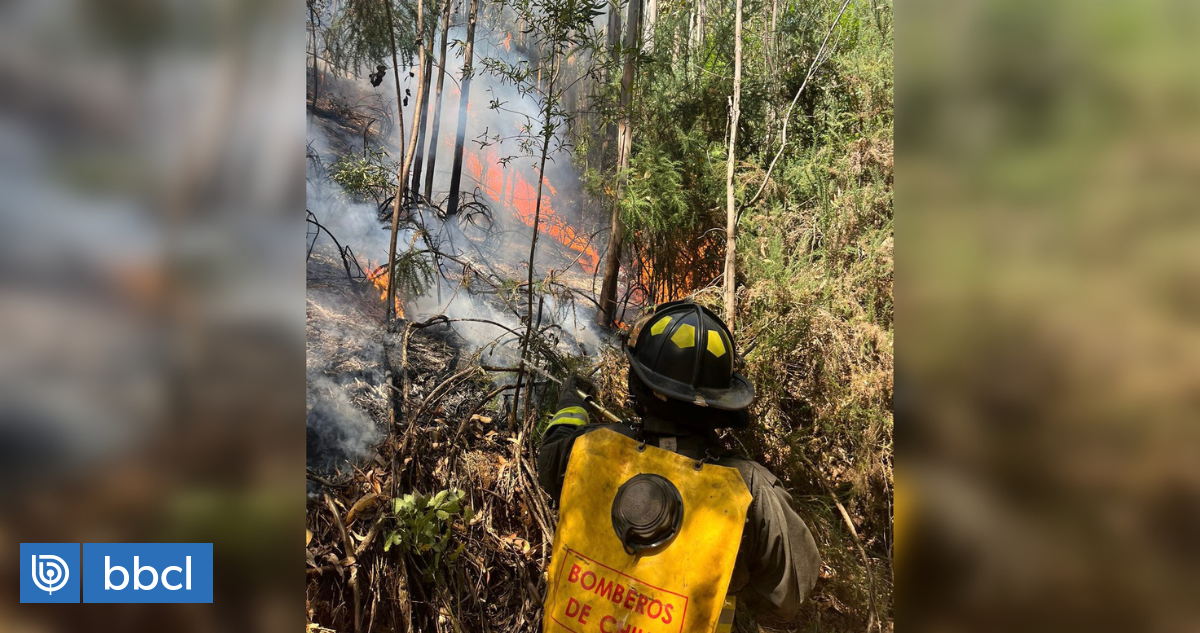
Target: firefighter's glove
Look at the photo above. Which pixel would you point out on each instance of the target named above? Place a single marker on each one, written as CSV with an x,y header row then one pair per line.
x,y
568,393
572,409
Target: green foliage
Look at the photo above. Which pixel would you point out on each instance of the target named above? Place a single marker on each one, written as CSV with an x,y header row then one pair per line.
x,y
366,177
815,254
557,29
425,527
653,198
414,273
373,177
359,37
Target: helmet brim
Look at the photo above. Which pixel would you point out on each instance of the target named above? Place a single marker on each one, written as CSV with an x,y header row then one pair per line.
x,y
736,398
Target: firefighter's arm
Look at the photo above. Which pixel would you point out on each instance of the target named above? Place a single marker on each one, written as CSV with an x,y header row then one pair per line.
x,y
779,551
569,421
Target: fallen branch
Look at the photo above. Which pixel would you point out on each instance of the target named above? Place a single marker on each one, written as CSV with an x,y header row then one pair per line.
x,y
462,426
346,254
348,546
441,390
873,621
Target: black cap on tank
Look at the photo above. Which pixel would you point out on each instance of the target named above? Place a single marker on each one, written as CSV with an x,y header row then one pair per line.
x,y
646,512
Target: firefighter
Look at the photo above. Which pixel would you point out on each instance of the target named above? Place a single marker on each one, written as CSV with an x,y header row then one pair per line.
x,y
683,387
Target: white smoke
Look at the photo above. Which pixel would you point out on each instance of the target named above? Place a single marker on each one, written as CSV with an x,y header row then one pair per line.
x,y
338,428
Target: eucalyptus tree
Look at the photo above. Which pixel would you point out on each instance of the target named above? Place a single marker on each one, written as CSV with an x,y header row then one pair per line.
x,y
437,107
464,98
406,159
731,213
612,260
366,34
423,106
316,16
558,30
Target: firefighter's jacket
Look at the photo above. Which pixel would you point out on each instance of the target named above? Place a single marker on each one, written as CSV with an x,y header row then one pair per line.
x,y
777,560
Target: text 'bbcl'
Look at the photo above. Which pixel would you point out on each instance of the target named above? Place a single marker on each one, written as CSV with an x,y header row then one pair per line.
x,y
148,572
138,570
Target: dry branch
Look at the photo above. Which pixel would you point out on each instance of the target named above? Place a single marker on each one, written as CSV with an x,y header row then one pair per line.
x,y
817,61
348,546
873,621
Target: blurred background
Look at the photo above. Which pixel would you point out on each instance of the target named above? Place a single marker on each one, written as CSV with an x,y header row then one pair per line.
x,y
152,297
1048,311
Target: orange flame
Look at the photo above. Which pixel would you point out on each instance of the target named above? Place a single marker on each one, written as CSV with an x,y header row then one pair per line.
x,y
506,186
379,278
508,42
693,272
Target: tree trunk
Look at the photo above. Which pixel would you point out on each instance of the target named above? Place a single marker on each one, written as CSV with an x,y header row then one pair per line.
x,y
460,137
730,202
547,134
612,259
648,24
437,106
423,105
698,35
312,16
387,309
770,63
613,36
405,156
772,40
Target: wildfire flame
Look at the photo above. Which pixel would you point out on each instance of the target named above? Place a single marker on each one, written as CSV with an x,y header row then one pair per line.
x,y
505,185
379,278
508,187
508,42
691,271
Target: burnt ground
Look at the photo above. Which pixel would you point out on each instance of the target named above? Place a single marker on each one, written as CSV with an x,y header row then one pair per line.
x,y
482,570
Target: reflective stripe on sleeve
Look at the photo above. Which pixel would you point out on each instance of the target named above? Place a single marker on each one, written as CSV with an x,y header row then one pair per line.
x,y
575,416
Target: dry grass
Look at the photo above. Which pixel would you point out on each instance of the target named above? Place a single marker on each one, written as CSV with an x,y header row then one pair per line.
x,y
817,314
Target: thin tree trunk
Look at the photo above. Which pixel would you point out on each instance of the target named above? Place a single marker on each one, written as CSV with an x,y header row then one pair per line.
x,y
770,64
648,24
613,36
312,16
818,59
396,71
701,12
547,134
773,41
419,158
388,309
463,101
437,106
678,40
406,157
612,259
730,202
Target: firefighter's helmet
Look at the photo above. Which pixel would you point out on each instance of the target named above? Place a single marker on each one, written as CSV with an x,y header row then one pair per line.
x,y
685,352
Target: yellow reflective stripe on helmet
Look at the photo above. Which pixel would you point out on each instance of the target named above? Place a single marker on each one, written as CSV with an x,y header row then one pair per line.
x,y
716,346
576,416
725,622
660,325
684,336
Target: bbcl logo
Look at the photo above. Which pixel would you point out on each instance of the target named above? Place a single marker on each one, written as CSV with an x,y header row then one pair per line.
x,y
117,572
50,573
148,572
109,585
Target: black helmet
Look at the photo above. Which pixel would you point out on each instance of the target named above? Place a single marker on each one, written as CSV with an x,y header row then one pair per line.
x,y
684,351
